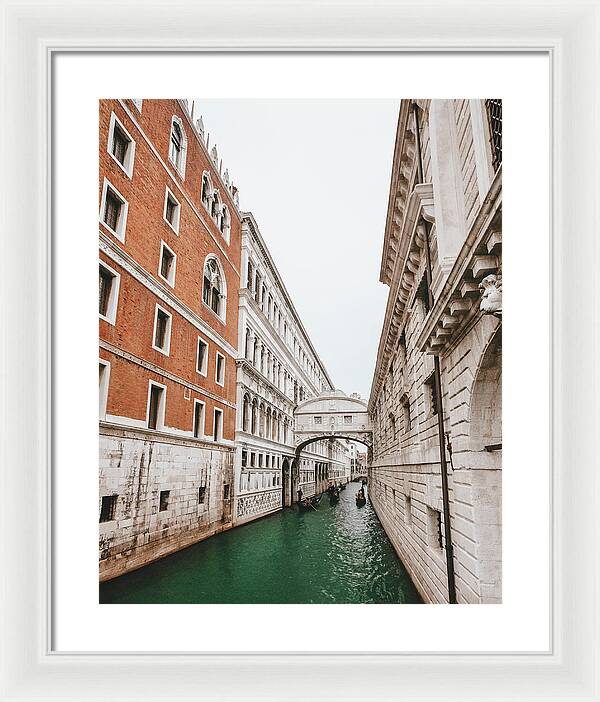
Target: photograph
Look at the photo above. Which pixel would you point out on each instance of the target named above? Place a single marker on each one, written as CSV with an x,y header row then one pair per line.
x,y
300,351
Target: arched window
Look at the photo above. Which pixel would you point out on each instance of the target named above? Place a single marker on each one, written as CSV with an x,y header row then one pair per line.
x,y
268,423
225,223
246,413
254,423
250,276
255,353
261,420
248,349
215,207
213,287
178,145
206,189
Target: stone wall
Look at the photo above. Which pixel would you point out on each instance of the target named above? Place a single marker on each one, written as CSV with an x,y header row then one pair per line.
x,y
136,466
405,480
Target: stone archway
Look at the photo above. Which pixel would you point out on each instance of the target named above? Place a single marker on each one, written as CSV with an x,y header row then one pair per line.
x,y
486,399
286,483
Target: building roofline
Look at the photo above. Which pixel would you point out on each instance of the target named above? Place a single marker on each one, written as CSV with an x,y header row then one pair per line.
x,y
248,217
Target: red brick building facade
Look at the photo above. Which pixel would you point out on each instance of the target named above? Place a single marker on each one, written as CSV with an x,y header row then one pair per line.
x,y
170,233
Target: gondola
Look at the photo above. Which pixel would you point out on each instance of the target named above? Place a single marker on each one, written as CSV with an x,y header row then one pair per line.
x,y
361,499
334,496
309,503
343,486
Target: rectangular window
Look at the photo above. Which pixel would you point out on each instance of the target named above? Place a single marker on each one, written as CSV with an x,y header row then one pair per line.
x,y
220,369
318,420
198,419
252,459
156,406
103,378
218,425
108,508
407,510
260,460
164,500
434,528
430,396
347,419
494,115
201,494
162,331
244,458
172,211
113,210
225,492
202,357
168,261
423,294
108,293
121,146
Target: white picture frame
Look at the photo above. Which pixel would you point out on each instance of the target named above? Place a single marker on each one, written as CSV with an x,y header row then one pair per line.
x,y
568,30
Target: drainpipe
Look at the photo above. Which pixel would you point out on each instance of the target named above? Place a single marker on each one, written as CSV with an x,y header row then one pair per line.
x,y
438,389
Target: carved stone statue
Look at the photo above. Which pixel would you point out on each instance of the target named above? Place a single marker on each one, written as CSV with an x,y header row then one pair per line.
x,y
491,300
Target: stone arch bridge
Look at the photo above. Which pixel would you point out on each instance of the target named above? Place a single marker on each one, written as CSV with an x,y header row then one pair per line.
x,y
332,415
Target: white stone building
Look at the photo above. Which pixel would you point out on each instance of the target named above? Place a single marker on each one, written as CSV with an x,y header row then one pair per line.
x,y
277,368
442,260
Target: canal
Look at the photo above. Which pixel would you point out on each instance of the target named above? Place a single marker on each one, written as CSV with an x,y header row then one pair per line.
x,y
337,554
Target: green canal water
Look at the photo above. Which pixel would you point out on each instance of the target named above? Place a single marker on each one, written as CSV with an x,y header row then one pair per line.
x,y
334,555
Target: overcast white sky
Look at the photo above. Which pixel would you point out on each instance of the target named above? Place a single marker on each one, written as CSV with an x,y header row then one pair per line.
x,y
316,175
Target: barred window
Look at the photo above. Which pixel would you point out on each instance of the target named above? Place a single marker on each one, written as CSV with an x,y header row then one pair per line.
x,y
494,115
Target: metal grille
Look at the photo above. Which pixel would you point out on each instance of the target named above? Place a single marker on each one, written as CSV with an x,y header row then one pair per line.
x,y
494,113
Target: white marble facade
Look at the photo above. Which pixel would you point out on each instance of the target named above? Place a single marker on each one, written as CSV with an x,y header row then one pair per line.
x,y
277,368
453,207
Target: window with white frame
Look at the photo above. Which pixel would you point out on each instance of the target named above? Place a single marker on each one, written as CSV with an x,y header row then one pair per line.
x,y
178,145
172,211
108,292
218,425
213,287
215,207
220,369
113,210
198,425
168,262
225,223
202,357
155,413
161,339
103,383
121,145
206,191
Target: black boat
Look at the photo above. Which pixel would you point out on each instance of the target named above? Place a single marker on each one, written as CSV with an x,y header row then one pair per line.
x,y
309,503
334,496
361,499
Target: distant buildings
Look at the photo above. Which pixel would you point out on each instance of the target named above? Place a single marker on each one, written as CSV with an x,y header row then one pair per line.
x,y
442,260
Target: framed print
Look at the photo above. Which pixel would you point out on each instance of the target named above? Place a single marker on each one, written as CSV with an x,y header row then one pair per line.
x,y
341,442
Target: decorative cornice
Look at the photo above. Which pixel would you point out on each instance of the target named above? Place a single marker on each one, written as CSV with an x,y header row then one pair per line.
x,y
403,164
479,257
252,226
403,280
245,364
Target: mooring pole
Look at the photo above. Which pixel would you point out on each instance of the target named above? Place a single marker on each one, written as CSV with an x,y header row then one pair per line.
x,y
439,408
